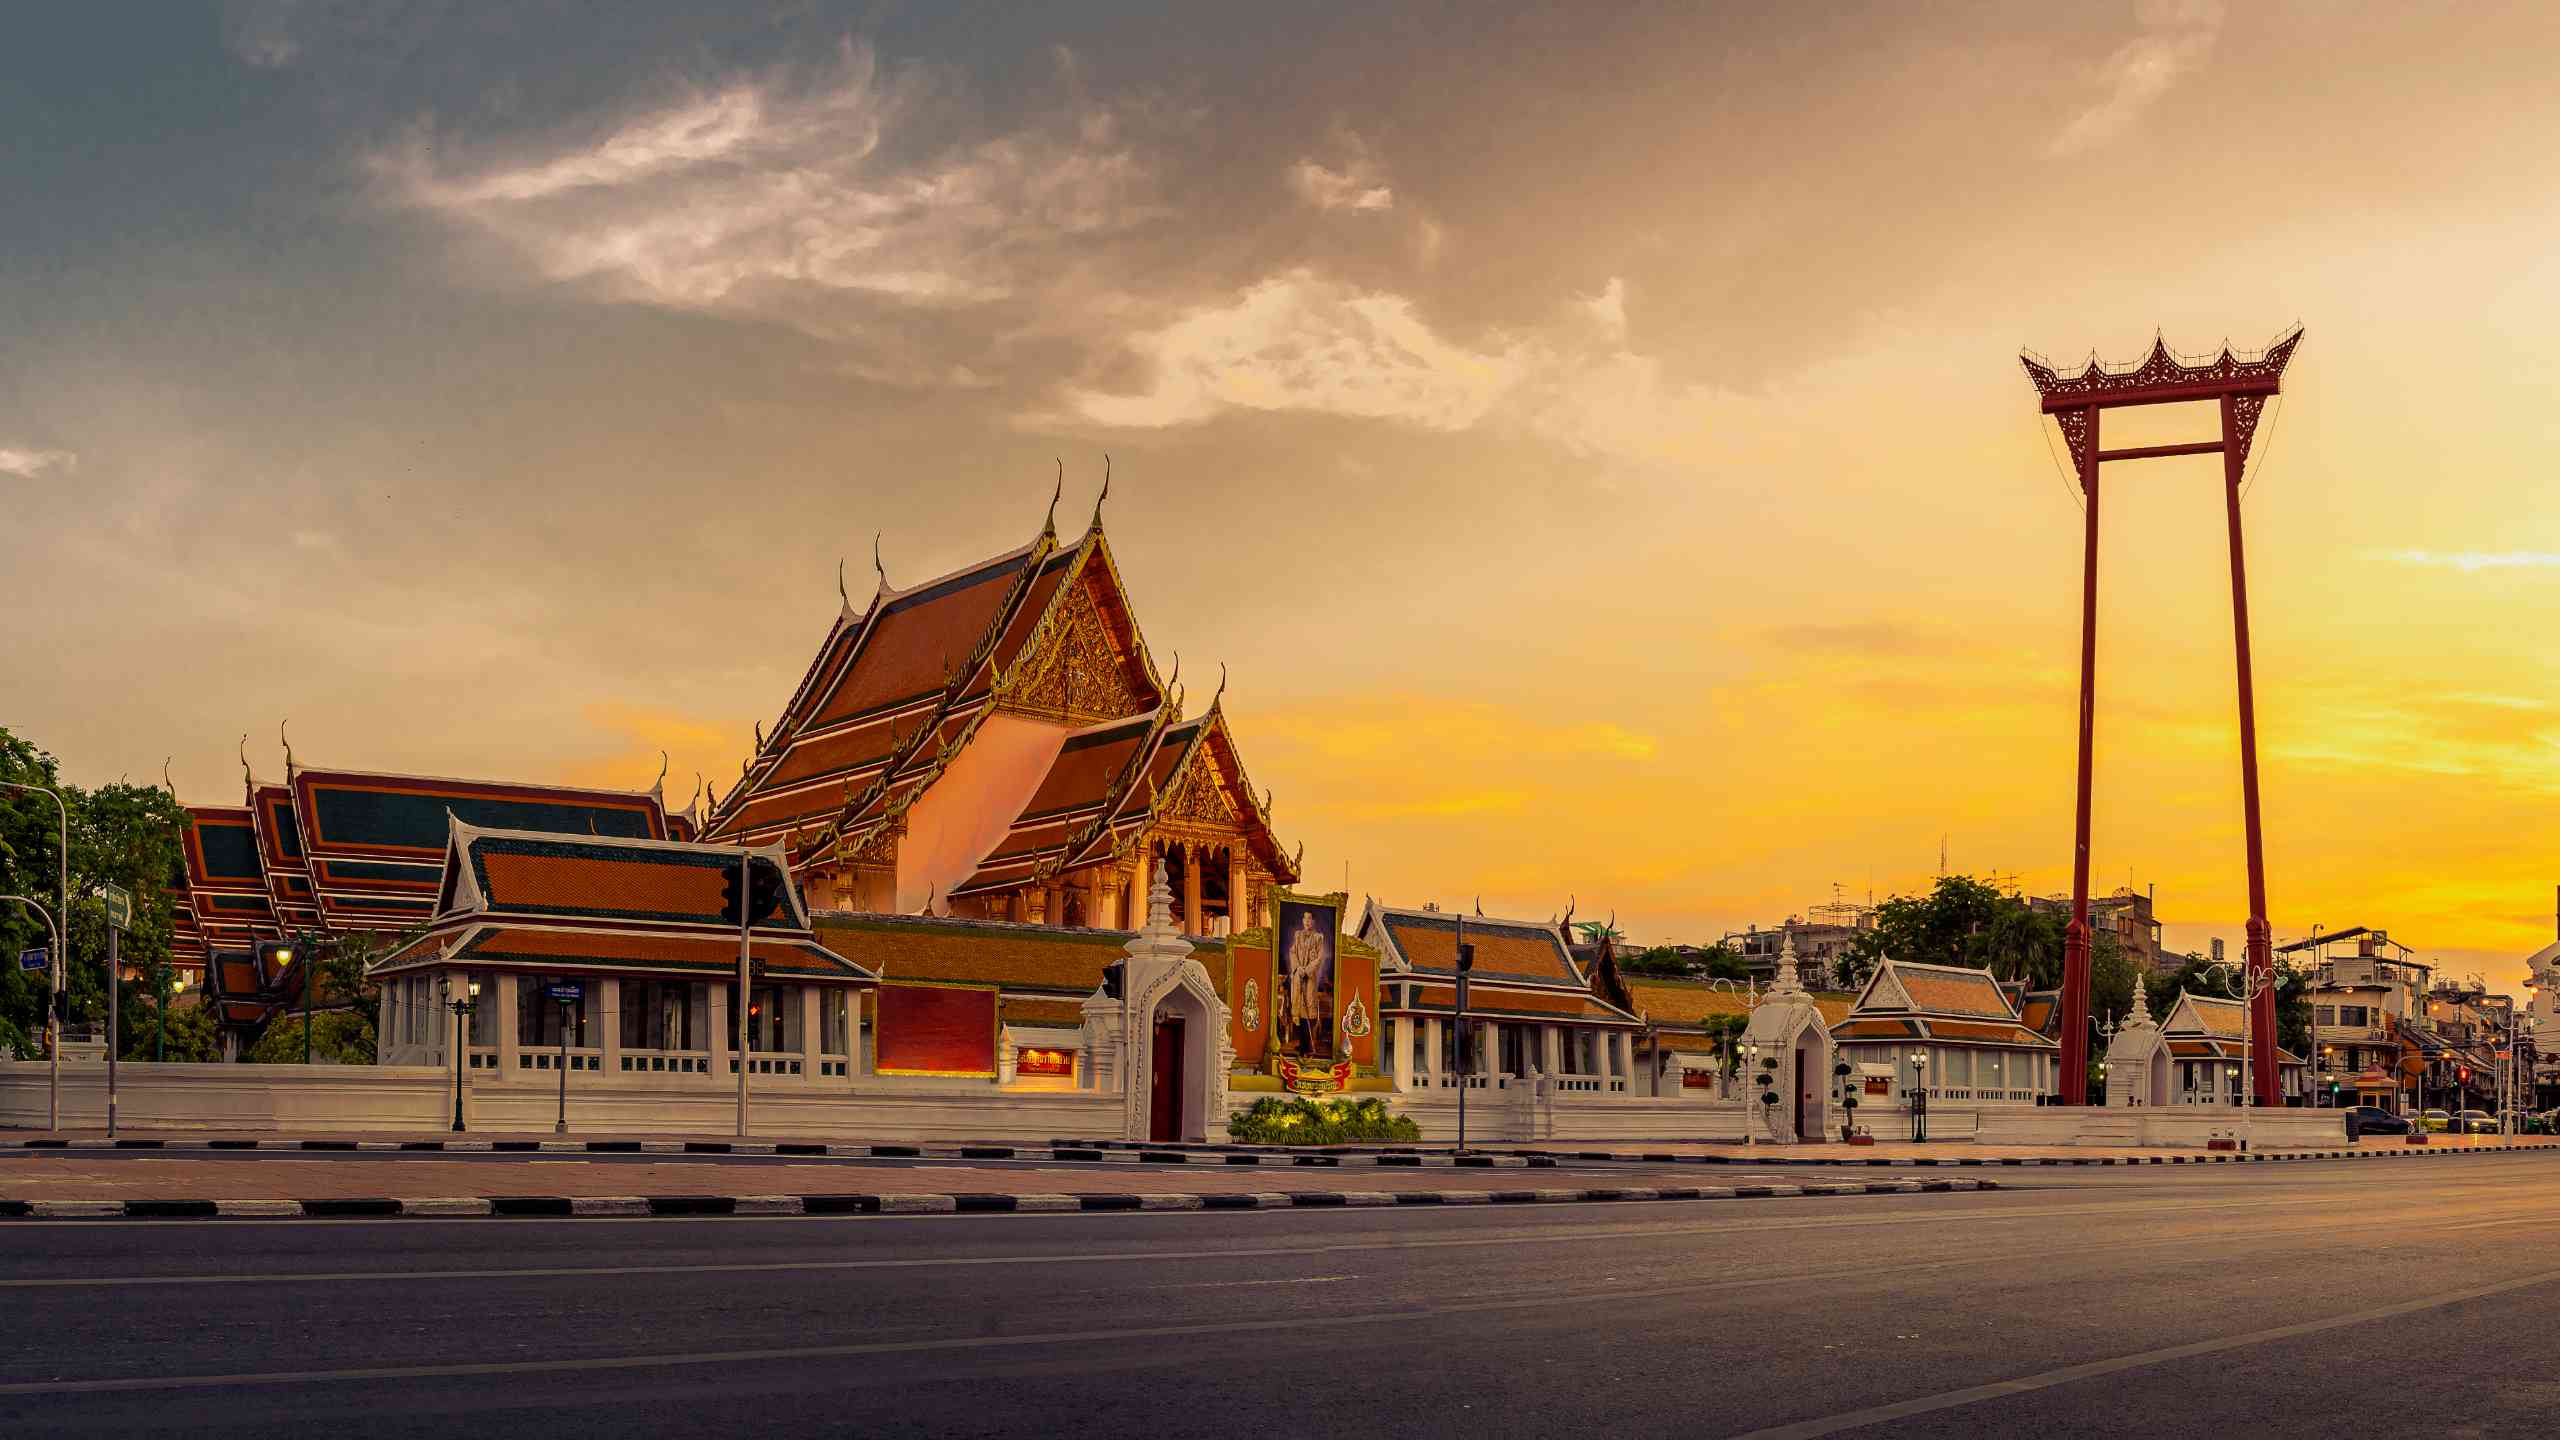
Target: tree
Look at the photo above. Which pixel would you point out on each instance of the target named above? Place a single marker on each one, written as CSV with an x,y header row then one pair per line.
x,y
338,1037
1659,960
1595,931
120,834
191,1038
1722,962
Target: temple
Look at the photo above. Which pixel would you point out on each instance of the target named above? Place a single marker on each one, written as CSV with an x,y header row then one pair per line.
x,y
327,854
997,744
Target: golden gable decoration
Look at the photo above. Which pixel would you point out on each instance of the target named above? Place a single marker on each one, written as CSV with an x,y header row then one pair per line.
x,y
1078,674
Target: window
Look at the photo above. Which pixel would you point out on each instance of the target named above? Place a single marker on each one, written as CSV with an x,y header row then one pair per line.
x,y
773,1017
2325,1014
657,1015
2353,1015
835,1022
540,1019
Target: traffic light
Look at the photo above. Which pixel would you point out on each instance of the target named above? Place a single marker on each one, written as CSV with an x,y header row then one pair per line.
x,y
764,893
1466,958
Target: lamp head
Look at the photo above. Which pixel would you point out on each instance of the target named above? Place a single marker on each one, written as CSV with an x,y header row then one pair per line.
x,y
474,989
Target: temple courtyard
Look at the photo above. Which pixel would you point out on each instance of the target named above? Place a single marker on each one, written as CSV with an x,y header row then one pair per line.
x,y
2162,1300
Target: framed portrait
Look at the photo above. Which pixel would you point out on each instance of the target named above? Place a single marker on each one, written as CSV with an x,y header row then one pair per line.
x,y
1306,938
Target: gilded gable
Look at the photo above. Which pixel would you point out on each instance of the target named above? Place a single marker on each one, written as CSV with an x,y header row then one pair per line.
x,y
1078,671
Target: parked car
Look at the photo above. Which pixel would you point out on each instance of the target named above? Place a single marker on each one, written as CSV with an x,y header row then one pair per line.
x,y
2436,1121
2479,1122
2373,1120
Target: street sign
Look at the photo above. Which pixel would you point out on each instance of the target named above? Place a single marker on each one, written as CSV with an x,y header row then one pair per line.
x,y
565,992
119,907
34,960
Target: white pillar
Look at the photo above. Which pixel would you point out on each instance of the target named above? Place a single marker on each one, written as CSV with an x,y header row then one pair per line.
x,y
1431,1050
720,1032
1400,1051
809,999
1623,1047
609,1025
1551,1049
505,1021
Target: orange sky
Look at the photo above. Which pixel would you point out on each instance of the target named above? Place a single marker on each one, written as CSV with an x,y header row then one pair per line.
x,y
1593,439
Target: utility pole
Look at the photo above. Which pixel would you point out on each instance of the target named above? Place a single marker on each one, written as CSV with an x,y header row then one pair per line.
x,y
739,1057
1466,964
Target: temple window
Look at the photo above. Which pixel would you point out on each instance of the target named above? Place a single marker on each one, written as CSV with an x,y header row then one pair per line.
x,y
539,1017
657,1015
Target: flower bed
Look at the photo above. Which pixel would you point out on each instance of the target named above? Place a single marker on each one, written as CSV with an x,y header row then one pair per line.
x,y
1297,1120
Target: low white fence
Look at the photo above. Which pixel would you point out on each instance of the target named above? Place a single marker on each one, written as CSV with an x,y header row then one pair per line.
x,y
400,1099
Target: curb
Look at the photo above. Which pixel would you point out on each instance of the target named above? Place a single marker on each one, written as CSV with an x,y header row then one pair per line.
x,y
696,1206
1105,1151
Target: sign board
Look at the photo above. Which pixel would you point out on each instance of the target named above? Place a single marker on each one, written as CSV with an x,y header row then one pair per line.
x,y
34,960
565,992
119,907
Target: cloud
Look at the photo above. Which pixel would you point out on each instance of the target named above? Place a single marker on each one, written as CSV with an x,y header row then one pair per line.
x,y
2177,37
261,33
1349,189
765,194
2471,562
31,464
1302,341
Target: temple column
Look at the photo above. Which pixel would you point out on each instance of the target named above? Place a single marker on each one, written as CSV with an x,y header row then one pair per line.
x,y
609,1025
1551,1049
810,998
1053,906
1235,889
1400,1051
1192,921
720,1031
505,1021
857,1026
1431,1050
1622,1046
1133,912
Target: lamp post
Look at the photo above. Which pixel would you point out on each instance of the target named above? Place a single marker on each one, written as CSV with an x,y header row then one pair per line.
x,y
1748,1051
61,924
2246,986
2105,1031
1919,1097
460,1005
52,1014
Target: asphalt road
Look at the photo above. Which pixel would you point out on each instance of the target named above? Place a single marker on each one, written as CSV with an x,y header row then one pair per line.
x,y
2304,1299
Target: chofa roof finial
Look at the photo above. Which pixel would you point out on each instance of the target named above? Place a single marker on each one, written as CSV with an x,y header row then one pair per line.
x,y
841,593
287,742
1106,491
875,560
1050,526
658,787
1222,685
248,778
171,785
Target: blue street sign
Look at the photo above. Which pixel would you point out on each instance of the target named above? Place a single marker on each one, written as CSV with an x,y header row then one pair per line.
x,y
36,959
566,992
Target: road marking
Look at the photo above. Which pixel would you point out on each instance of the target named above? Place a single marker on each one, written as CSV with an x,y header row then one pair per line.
x,y
1542,1236
2028,1384
1079,1337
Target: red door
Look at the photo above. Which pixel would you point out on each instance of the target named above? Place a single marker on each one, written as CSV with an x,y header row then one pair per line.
x,y
1164,1087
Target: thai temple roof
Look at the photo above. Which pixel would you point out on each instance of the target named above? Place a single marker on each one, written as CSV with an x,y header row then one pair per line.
x,y
539,900
1905,1000
1523,968
901,687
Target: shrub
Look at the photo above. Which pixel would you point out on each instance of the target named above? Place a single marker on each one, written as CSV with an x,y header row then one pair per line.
x,y
1297,1120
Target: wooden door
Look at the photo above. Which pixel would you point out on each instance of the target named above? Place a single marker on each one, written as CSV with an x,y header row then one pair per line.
x,y
1164,1087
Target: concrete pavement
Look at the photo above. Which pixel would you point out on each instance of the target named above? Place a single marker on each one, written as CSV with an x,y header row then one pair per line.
x,y
2310,1299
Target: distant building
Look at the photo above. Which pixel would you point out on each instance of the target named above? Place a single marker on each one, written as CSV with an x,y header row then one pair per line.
x,y
2126,914
2542,976
1822,939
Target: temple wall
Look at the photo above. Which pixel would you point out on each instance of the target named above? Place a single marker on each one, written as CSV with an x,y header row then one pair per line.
x,y
971,807
362,1099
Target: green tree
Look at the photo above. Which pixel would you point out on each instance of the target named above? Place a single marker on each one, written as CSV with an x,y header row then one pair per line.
x,y
1722,962
1658,960
120,834
338,1037
191,1038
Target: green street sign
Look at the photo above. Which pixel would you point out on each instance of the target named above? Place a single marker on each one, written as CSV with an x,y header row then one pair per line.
x,y
119,907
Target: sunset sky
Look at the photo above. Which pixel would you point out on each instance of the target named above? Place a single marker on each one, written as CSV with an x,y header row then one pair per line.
x,y
1592,436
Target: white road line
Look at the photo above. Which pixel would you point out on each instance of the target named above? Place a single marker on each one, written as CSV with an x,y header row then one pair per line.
x,y
2027,1384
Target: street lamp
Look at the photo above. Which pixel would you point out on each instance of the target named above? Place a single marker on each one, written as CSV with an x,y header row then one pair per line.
x,y
2245,987
461,1006
2106,1033
61,930
52,1012
1748,1051
1920,1097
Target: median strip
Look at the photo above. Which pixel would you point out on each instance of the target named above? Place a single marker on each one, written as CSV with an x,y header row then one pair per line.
x,y
698,1206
